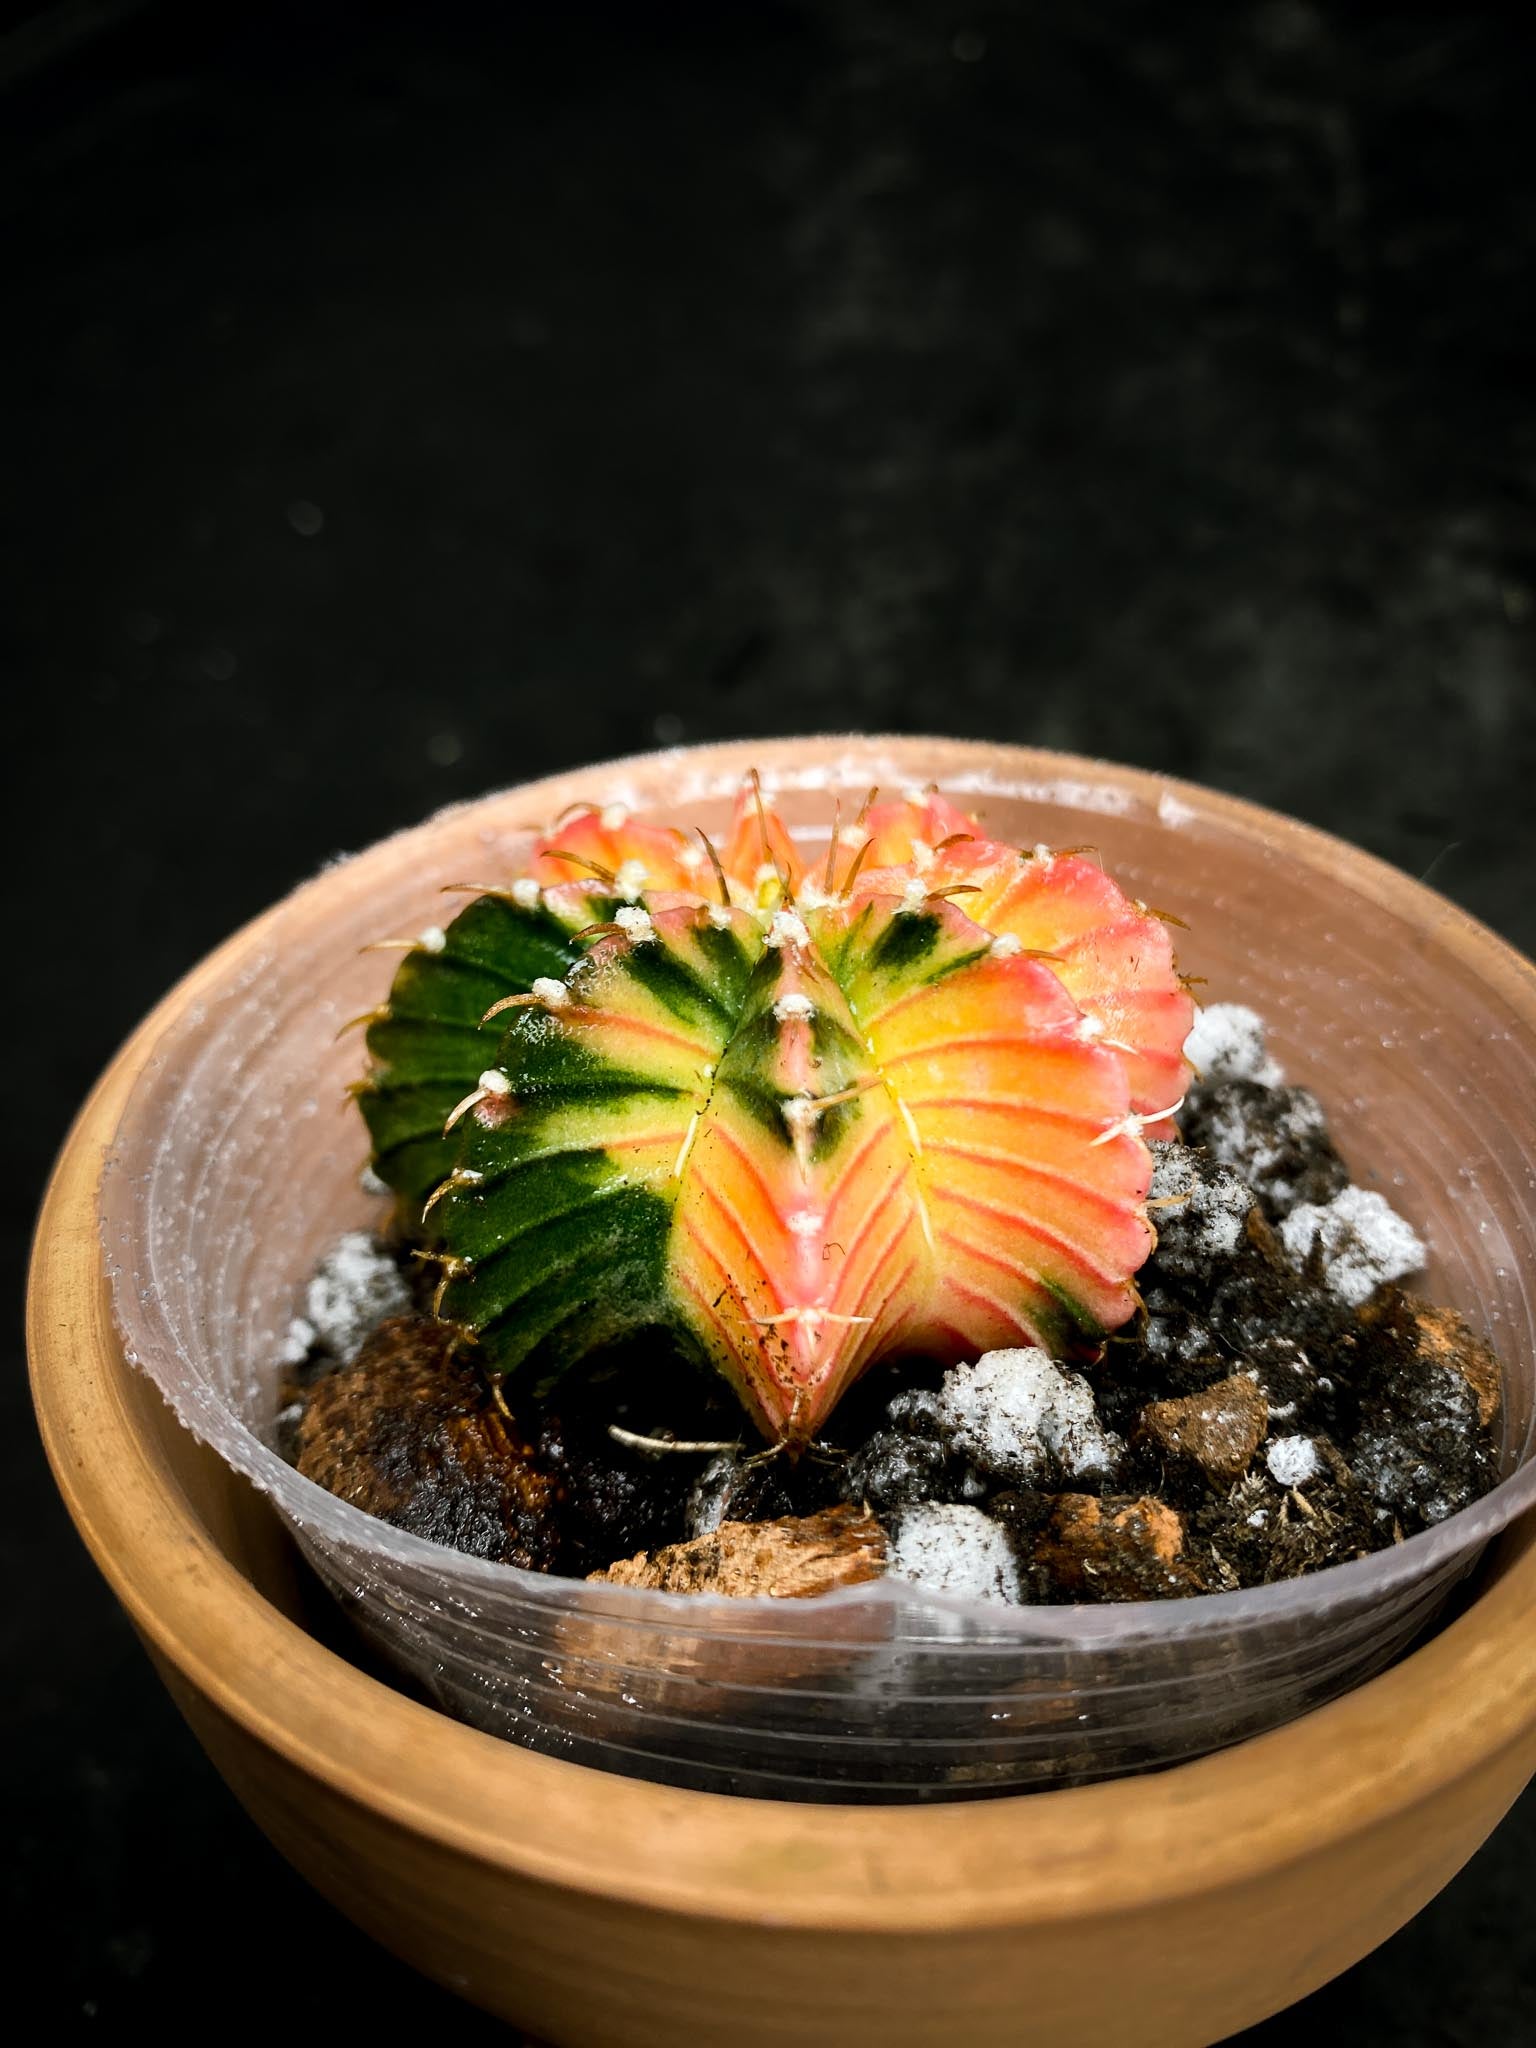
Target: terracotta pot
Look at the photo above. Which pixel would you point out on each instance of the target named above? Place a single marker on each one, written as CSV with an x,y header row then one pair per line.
x,y
1173,1908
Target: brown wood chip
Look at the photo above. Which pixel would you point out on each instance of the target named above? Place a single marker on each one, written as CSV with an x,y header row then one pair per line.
x,y
791,1559
1217,1430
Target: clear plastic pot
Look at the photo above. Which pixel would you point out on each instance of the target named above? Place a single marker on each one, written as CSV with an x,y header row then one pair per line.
x,y
237,1161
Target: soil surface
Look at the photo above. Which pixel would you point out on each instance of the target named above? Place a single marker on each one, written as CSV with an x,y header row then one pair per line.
x,y
1279,1405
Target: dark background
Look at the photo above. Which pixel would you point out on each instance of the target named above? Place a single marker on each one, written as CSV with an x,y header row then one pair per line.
x,y
406,402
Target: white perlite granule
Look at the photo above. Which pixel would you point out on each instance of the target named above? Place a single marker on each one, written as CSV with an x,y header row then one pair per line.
x,y
1293,1460
1200,1212
1364,1242
298,1343
950,1549
1227,1044
357,1286
1013,1412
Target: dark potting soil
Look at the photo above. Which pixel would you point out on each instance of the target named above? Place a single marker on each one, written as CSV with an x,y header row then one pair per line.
x,y
1276,1407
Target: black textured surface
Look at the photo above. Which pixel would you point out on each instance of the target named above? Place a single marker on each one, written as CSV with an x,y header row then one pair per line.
x,y
404,403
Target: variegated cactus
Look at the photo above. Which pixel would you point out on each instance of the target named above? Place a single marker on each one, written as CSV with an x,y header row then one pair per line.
x,y
806,1117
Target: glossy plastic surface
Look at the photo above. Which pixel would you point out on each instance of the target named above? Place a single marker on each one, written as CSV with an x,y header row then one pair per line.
x,y
237,1162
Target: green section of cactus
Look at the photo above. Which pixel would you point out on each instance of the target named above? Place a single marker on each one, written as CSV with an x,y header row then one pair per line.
x,y
558,1216
430,1046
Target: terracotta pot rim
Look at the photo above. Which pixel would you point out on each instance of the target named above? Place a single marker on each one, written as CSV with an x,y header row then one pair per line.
x,y
1470,1691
